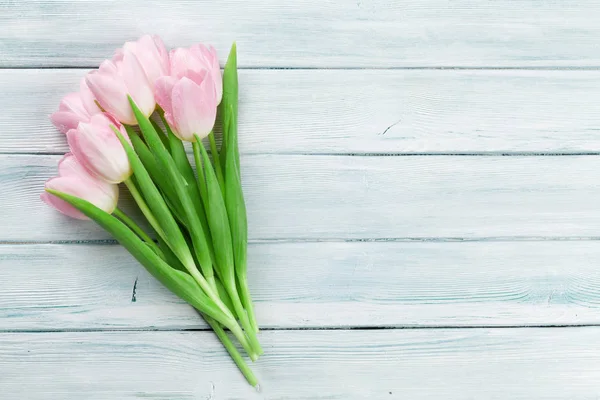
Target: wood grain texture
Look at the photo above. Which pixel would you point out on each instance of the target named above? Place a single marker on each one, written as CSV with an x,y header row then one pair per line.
x,y
310,33
341,197
521,364
314,285
363,112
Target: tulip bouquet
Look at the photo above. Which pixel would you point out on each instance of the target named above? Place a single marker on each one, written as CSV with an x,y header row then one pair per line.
x,y
128,124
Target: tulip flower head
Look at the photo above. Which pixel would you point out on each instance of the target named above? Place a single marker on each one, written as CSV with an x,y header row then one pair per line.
x,y
152,55
73,179
190,95
75,108
99,150
118,78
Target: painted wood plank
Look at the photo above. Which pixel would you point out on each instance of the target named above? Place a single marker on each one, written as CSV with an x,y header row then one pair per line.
x,y
342,197
314,285
311,33
524,364
374,111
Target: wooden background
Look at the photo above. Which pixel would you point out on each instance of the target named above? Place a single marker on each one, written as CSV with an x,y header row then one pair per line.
x,y
423,185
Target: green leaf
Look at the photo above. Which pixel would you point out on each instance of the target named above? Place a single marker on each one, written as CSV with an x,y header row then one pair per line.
x,y
229,105
185,168
235,205
224,295
159,208
157,175
218,223
236,211
161,135
221,234
180,283
170,257
233,352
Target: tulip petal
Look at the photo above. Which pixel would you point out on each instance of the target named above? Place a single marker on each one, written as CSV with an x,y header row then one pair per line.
x,y
62,206
97,148
152,55
138,86
163,54
111,92
72,103
64,121
183,60
88,99
87,190
69,166
162,91
194,108
197,76
208,57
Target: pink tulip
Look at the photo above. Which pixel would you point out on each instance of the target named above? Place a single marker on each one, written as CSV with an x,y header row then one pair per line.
x,y
73,179
99,150
152,55
189,103
75,108
196,59
117,78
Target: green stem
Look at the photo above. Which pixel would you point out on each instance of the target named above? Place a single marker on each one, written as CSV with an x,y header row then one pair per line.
x,y
237,331
135,193
199,172
208,286
247,301
243,317
233,326
217,161
211,291
233,351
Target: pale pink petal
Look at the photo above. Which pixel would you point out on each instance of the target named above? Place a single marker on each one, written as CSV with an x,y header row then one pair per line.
x,y
138,86
194,108
216,74
152,55
78,152
62,206
64,120
118,55
88,99
69,166
162,92
84,189
111,93
210,61
108,66
182,60
72,103
98,149
163,54
196,76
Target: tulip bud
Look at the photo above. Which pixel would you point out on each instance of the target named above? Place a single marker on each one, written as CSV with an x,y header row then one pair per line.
x,y
118,78
99,150
152,55
189,103
75,180
75,108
